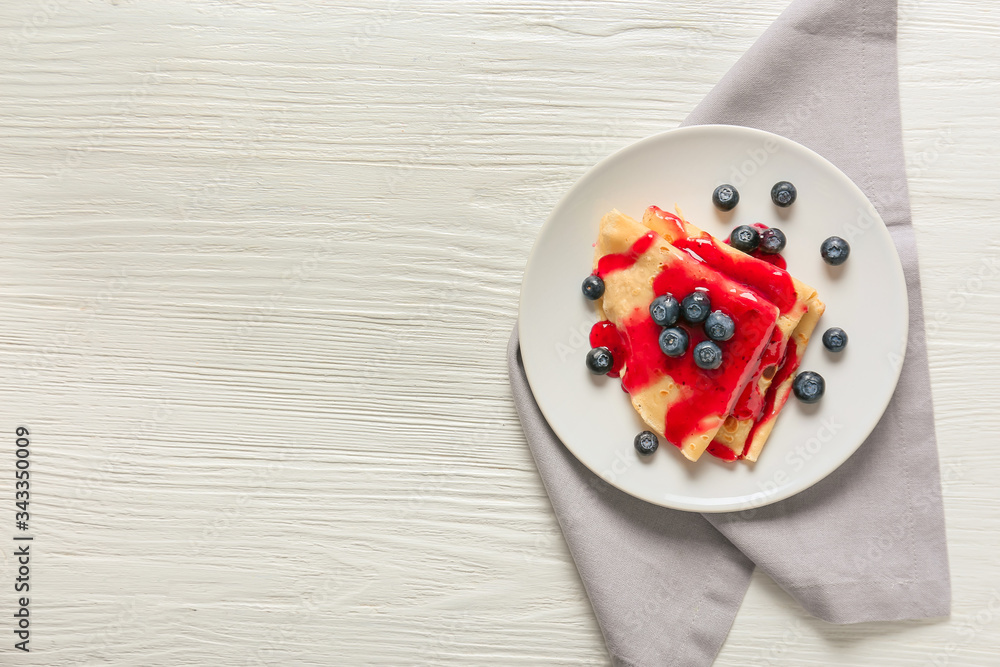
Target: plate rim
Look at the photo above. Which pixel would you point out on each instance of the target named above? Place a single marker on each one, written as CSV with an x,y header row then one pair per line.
x,y
727,504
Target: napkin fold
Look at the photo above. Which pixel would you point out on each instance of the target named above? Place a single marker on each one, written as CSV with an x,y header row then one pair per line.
x,y
868,542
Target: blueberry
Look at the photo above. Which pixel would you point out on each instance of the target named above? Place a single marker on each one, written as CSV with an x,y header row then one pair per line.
x,y
695,307
646,443
835,250
783,194
600,361
835,339
673,341
772,241
593,287
808,386
745,238
707,355
725,197
719,326
664,310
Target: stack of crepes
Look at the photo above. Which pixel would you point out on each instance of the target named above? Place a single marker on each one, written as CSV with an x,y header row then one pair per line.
x,y
729,411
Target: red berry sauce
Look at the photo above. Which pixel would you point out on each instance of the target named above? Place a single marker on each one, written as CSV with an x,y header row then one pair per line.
x,y
706,393
720,451
604,334
752,400
623,260
771,282
786,369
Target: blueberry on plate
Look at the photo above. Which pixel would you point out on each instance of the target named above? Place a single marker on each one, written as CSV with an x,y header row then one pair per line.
x,y
673,341
593,287
725,197
707,355
835,250
695,307
665,310
646,443
772,241
808,386
600,360
745,238
783,194
835,339
719,326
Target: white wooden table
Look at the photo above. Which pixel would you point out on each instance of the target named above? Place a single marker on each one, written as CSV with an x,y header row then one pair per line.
x,y
260,261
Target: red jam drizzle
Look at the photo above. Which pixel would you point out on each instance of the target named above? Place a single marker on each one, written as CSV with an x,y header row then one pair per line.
x,y
774,260
714,390
705,393
623,260
720,451
789,364
751,401
605,334
771,282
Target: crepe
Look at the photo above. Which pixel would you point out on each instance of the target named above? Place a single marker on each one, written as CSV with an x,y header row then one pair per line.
x,y
685,404
781,387
747,428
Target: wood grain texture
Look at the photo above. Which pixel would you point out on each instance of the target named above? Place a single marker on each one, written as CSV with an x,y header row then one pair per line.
x,y
260,261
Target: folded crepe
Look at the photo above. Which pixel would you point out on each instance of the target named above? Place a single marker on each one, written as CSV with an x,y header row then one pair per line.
x,y
685,404
748,426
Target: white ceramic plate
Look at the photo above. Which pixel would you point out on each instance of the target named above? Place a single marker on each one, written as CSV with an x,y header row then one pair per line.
x,y
866,296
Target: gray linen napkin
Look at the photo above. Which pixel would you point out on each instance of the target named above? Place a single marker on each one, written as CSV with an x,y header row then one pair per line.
x,y
868,542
